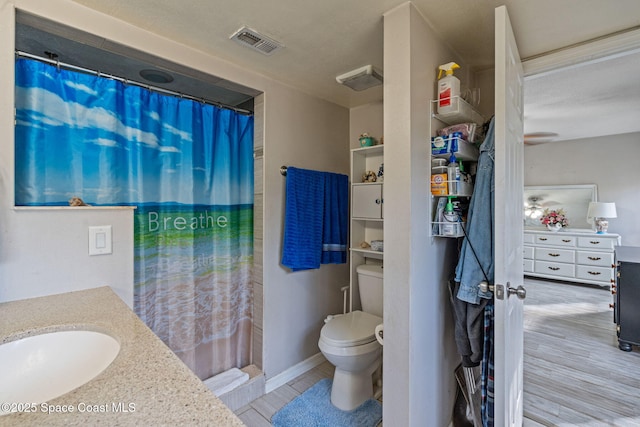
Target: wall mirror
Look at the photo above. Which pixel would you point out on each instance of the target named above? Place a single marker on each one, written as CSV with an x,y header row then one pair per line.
x,y
573,199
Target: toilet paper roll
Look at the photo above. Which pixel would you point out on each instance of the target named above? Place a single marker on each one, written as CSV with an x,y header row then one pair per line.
x,y
379,333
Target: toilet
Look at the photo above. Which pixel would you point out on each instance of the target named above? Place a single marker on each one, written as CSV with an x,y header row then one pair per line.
x,y
349,343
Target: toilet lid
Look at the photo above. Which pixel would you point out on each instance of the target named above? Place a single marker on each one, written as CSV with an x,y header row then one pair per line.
x,y
355,328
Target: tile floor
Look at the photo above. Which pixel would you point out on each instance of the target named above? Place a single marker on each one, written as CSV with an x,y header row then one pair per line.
x,y
259,412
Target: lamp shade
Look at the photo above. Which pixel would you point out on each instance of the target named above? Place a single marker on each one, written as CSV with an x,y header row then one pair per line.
x,y
602,210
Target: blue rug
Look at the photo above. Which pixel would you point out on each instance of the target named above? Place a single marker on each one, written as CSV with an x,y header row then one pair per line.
x,y
313,408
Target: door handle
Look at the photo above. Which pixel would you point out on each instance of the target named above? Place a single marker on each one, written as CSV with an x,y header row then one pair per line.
x,y
520,291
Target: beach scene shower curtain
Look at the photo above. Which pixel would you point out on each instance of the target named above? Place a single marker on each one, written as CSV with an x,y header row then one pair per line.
x,y
186,166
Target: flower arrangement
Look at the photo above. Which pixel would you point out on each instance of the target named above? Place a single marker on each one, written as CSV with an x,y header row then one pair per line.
x,y
553,217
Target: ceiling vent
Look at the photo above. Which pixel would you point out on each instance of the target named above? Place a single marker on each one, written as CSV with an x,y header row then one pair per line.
x,y
256,41
361,78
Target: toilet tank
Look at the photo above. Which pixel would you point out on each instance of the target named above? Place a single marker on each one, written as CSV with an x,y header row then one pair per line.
x,y
370,287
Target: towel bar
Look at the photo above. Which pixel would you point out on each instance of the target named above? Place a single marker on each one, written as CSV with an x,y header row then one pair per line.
x,y
283,170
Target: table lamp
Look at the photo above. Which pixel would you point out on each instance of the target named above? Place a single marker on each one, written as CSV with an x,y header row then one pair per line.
x,y
600,211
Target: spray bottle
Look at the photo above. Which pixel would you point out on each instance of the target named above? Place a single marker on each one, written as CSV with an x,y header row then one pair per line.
x,y
448,89
450,226
453,175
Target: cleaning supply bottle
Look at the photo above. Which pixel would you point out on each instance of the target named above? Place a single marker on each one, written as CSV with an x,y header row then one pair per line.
x,y
448,89
450,223
453,175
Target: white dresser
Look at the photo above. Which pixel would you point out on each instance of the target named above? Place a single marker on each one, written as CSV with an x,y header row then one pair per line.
x,y
584,257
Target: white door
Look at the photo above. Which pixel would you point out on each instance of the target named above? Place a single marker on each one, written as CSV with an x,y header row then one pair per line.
x,y
509,146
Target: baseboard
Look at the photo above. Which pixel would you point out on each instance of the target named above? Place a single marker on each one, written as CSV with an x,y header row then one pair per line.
x,y
296,370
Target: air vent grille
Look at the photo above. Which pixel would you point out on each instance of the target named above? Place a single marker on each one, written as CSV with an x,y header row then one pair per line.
x,y
251,38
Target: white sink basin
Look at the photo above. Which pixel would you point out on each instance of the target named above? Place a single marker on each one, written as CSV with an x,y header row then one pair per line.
x,y
39,368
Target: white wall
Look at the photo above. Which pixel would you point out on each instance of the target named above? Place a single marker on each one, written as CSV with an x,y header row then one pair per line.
x,y
419,356
299,130
609,162
308,133
44,252
485,81
365,118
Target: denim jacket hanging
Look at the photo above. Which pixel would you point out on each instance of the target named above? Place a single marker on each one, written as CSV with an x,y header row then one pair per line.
x,y
480,227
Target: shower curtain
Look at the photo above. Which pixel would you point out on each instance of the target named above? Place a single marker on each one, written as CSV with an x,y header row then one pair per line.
x,y
188,169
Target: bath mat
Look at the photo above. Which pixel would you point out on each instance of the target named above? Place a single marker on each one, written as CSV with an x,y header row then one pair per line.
x,y
313,408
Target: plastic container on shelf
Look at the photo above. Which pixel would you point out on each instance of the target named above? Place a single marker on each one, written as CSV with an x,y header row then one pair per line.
x,y
460,112
468,131
450,224
456,231
438,166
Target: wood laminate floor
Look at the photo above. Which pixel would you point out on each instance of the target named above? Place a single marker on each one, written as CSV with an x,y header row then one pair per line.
x,y
574,373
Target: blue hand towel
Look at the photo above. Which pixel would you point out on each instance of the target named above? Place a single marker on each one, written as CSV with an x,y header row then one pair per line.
x,y
316,219
335,219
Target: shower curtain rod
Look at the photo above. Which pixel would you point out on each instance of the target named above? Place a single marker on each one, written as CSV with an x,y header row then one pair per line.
x,y
133,82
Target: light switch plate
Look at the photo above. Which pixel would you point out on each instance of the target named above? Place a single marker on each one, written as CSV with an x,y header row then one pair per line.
x,y
100,240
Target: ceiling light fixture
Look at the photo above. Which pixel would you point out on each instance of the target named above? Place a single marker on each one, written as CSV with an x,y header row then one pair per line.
x,y
361,78
156,76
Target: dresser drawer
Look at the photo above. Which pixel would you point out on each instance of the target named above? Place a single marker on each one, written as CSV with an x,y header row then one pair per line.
x,y
603,274
555,255
602,259
556,240
528,238
528,265
527,252
602,243
555,268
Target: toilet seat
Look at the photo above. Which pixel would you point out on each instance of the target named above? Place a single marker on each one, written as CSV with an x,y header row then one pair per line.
x,y
351,329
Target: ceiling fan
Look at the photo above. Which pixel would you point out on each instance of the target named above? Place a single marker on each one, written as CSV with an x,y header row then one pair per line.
x,y
534,206
531,207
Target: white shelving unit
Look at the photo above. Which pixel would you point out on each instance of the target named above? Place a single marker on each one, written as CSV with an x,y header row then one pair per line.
x,y
466,151
367,213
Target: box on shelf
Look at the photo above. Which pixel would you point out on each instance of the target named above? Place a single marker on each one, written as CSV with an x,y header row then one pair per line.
x,y
444,146
439,184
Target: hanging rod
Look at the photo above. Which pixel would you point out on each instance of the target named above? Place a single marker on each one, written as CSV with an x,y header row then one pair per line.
x,y
59,64
283,170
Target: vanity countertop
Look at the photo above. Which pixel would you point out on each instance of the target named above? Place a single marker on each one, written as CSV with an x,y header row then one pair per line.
x,y
147,381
